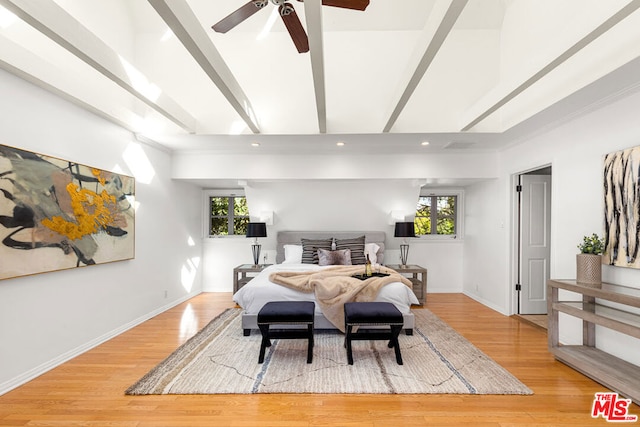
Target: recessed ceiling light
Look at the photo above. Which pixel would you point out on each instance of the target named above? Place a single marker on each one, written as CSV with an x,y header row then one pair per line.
x,y
340,143
424,143
255,144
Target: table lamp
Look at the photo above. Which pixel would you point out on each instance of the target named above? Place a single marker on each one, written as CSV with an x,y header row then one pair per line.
x,y
404,229
255,230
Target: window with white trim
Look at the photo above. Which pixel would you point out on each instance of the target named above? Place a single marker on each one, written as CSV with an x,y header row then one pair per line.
x,y
439,214
227,213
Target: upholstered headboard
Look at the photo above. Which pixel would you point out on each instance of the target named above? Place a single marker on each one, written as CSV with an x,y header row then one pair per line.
x,y
293,238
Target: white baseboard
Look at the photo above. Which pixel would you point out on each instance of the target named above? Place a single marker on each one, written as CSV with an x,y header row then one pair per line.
x,y
59,360
489,304
432,290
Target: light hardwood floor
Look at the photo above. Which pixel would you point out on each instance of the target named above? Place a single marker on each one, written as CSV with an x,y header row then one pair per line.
x,y
89,390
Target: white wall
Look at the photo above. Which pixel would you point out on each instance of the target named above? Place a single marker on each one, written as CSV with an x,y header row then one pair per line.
x,y
575,150
340,205
485,250
270,167
335,192
47,318
334,205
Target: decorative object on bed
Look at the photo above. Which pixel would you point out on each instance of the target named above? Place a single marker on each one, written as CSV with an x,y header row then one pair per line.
x,y
255,230
310,249
371,249
367,268
56,214
621,173
337,257
217,360
404,230
365,277
356,246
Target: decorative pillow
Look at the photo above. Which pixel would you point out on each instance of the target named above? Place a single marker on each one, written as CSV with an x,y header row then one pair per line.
x,y
292,254
356,245
326,257
372,250
310,249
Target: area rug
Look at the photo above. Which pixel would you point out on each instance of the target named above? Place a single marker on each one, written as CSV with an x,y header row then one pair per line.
x,y
220,360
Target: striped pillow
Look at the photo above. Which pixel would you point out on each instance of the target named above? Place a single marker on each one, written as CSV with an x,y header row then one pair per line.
x,y
356,245
310,249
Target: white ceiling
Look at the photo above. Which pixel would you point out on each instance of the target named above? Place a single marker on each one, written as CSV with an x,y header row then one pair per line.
x,y
476,74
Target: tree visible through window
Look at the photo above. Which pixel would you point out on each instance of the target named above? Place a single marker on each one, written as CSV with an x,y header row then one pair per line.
x,y
229,215
438,210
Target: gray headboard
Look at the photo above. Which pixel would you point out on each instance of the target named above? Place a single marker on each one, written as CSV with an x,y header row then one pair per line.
x,y
293,238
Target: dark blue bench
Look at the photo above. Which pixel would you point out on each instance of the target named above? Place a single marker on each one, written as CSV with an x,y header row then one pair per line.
x,y
286,313
367,314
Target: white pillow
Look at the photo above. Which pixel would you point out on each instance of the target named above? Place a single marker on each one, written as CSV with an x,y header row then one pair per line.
x,y
371,249
292,254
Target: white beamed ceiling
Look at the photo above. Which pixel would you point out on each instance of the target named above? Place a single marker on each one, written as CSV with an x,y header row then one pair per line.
x,y
485,72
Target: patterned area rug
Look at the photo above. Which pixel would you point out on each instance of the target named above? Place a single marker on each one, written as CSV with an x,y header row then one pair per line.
x,y
219,360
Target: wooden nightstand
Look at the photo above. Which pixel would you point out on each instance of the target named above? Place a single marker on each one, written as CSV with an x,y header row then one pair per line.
x,y
418,278
243,273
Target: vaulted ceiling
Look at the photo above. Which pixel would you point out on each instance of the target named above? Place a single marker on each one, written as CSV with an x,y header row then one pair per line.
x,y
456,73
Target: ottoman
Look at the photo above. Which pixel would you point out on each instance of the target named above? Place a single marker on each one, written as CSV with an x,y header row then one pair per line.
x,y
286,313
366,314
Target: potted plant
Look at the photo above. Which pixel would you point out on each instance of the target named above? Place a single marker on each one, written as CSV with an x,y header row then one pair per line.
x,y
589,261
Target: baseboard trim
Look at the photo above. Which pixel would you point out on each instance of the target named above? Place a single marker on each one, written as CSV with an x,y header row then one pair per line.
x,y
24,378
486,303
435,290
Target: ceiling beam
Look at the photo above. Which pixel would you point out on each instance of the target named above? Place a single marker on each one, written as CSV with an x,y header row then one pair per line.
x,y
313,17
491,105
54,22
30,67
185,25
444,15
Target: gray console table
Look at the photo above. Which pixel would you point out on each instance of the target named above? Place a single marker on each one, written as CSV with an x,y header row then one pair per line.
x,y
614,307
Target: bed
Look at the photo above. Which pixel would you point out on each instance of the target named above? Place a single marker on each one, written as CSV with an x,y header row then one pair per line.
x,y
260,290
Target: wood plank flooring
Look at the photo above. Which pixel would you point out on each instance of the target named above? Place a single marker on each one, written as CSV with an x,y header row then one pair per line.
x,y
89,390
539,320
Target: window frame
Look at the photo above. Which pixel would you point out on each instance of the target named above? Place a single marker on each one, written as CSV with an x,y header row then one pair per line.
x,y
459,212
206,220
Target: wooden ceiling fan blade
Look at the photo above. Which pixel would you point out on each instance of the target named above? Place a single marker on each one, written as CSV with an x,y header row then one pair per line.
x,y
347,4
294,26
235,18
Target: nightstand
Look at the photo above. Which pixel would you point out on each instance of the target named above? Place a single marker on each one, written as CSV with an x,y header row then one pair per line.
x,y
243,273
418,277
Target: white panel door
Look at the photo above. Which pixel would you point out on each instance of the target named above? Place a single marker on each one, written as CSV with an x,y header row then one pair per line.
x,y
535,233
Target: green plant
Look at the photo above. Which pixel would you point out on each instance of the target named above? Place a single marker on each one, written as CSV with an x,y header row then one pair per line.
x,y
592,245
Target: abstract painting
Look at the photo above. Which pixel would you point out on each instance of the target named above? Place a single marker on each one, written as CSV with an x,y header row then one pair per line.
x,y
57,214
622,208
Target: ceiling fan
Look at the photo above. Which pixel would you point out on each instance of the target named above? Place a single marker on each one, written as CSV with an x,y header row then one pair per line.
x,y
288,15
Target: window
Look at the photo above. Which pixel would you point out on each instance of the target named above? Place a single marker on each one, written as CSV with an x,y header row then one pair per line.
x,y
437,214
228,215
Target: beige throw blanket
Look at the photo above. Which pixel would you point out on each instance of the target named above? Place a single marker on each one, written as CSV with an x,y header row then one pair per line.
x,y
334,286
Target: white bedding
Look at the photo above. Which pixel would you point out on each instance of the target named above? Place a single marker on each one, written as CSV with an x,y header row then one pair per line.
x,y
260,290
